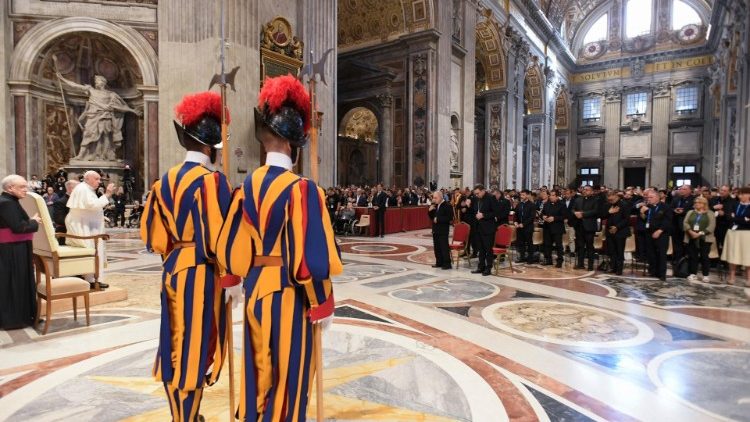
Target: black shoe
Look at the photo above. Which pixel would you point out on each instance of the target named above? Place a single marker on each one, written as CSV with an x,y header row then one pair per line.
x,y
436,266
446,268
102,286
474,256
381,236
477,271
619,272
545,263
578,267
663,278
559,264
486,273
520,260
591,268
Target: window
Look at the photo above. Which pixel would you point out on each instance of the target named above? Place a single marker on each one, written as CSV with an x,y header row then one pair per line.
x,y
598,31
686,101
638,18
683,169
683,14
592,109
589,175
680,182
636,104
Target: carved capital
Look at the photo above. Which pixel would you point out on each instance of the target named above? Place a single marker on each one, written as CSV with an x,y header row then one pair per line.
x,y
385,100
612,95
662,89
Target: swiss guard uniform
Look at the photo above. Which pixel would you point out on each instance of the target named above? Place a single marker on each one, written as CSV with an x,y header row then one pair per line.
x,y
278,236
181,221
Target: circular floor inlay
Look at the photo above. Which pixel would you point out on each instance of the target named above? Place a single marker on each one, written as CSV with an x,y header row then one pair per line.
x,y
710,379
567,323
379,249
448,291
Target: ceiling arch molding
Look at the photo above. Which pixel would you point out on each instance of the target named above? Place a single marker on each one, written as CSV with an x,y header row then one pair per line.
x,y
490,53
363,23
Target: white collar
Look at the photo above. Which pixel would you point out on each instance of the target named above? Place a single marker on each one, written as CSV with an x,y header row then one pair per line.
x,y
198,157
278,159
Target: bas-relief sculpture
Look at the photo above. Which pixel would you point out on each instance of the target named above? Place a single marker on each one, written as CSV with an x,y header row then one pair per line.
x,y
454,151
101,120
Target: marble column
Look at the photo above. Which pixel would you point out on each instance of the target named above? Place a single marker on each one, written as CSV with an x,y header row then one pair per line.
x,y
318,25
612,105
151,139
469,75
518,57
660,135
189,33
6,108
386,138
439,140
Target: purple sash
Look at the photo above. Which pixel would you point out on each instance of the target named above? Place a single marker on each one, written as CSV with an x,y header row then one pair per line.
x,y
7,236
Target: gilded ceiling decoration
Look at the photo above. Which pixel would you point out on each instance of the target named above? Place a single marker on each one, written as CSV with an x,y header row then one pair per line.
x,y
490,54
363,22
533,89
360,123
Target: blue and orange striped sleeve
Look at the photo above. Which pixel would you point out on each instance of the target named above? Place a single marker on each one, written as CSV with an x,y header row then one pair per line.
x,y
154,232
315,255
217,195
234,248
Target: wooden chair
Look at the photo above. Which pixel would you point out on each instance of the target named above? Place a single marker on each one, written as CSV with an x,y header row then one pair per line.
x,y
50,289
460,242
362,223
63,261
503,237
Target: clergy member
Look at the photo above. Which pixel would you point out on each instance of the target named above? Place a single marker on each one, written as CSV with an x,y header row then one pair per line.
x,y
17,287
86,218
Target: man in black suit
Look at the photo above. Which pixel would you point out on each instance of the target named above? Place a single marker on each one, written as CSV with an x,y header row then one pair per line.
x,y
503,207
486,211
379,201
657,216
392,200
618,229
469,216
525,214
587,209
553,227
681,204
441,215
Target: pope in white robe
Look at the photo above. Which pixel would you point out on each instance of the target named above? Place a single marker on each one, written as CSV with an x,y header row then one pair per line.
x,y
86,216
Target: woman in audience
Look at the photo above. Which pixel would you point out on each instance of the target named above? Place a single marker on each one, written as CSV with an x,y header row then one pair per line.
x,y
737,243
699,226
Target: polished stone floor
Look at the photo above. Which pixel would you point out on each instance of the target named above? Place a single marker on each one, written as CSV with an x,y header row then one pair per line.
x,y
411,343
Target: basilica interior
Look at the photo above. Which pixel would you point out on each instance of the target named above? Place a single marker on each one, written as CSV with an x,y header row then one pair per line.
x,y
511,94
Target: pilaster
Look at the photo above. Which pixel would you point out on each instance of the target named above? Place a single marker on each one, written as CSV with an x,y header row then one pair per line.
x,y
386,138
660,135
612,106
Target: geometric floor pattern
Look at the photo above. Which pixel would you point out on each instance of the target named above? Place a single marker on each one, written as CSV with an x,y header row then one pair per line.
x,y
411,343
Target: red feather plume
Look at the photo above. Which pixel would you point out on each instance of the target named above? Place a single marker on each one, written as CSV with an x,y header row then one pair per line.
x,y
194,106
285,91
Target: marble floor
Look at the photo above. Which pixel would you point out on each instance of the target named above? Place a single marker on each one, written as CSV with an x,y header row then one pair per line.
x,y
411,343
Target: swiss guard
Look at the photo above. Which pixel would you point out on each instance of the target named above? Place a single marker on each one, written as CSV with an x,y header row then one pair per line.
x,y
182,221
278,236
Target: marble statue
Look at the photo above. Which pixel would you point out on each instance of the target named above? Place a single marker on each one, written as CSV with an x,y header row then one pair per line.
x,y
454,150
101,120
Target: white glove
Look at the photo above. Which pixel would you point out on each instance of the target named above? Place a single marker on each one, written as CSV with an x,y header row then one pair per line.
x,y
235,294
326,322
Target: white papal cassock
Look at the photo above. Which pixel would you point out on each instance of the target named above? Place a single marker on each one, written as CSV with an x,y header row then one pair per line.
x,y
86,218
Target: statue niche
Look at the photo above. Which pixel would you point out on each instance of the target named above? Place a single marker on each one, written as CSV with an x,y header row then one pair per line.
x,y
95,114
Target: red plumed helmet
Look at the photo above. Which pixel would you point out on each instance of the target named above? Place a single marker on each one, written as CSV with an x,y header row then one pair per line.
x,y
194,106
284,108
199,117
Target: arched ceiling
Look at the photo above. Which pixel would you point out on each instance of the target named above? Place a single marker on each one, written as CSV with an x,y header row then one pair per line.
x,y
490,54
572,13
365,22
